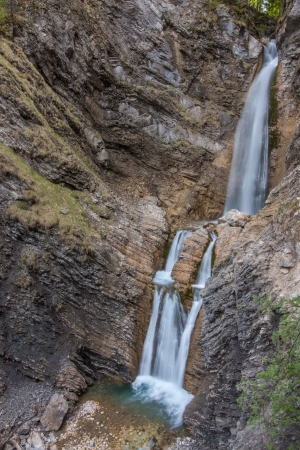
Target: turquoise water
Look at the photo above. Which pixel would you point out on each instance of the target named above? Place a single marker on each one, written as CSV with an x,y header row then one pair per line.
x,y
127,401
112,416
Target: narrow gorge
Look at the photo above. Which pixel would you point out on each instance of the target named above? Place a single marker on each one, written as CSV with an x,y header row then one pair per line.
x,y
149,198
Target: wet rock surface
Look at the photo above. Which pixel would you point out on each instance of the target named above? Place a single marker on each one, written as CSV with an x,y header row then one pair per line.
x,y
186,268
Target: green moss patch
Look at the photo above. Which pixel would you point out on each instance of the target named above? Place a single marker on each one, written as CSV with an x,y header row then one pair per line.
x,y
46,205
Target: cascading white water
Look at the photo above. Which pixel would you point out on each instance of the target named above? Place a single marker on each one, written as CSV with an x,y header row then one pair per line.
x,y
185,341
166,346
171,326
162,278
145,366
204,274
249,170
206,263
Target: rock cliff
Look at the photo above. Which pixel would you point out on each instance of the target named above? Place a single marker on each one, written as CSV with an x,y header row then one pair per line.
x,y
256,257
109,125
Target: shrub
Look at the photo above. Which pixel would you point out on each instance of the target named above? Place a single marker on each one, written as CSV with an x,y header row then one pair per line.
x,y
273,396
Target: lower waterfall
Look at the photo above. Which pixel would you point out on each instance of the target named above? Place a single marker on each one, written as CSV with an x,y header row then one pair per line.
x,y
165,352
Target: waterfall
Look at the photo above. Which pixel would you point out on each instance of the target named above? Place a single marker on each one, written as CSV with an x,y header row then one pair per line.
x,y
174,315
163,277
249,170
167,342
206,263
204,274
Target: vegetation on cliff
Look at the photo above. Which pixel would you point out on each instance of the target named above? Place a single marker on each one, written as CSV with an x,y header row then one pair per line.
x,y
47,205
270,7
273,396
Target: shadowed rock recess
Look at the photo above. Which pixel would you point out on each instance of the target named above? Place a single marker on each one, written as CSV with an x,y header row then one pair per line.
x,y
117,123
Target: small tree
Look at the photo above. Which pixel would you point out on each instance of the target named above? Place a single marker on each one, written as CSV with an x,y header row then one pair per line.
x,y
270,7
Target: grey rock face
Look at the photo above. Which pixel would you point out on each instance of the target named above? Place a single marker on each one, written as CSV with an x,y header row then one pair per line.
x,y
260,259
55,412
128,102
122,109
145,94
286,151
2,387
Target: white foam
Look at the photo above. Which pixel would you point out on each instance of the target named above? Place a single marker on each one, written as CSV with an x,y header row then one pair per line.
x,y
172,398
163,278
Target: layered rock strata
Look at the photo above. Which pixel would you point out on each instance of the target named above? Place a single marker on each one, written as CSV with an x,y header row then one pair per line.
x,y
257,257
149,94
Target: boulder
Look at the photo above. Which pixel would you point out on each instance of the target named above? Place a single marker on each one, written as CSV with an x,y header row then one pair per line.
x,y
35,442
25,429
55,412
227,237
103,157
235,218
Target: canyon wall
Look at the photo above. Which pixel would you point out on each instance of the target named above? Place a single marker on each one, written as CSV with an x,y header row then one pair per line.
x,y
117,122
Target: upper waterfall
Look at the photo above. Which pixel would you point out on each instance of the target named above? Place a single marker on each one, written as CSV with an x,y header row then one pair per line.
x,y
249,170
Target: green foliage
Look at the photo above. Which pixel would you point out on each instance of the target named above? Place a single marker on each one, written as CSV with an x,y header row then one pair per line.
x,y
44,200
270,7
250,15
273,396
167,250
4,15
